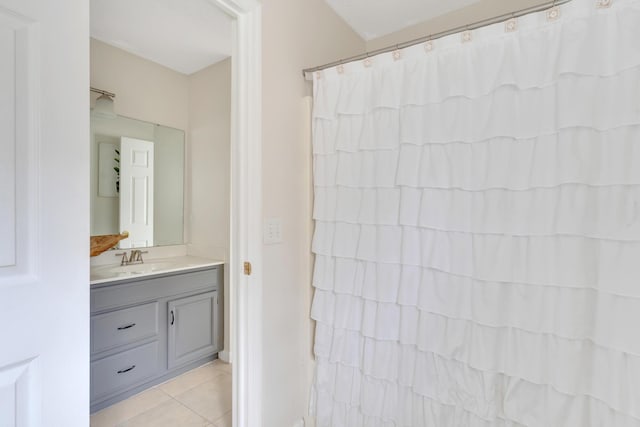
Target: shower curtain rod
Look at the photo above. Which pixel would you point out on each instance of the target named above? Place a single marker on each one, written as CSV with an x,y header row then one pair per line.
x,y
515,14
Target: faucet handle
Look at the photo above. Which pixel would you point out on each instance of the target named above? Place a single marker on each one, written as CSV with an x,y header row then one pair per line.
x,y
138,255
124,259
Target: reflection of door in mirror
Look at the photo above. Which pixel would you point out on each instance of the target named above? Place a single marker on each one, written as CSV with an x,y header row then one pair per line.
x,y
165,207
136,192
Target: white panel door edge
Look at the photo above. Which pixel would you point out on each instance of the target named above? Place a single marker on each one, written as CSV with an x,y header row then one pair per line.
x,y
44,218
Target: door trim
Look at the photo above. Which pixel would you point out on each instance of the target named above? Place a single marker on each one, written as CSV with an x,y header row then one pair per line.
x,y
246,210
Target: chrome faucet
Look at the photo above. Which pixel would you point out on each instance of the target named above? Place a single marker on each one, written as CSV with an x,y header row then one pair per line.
x,y
124,260
135,257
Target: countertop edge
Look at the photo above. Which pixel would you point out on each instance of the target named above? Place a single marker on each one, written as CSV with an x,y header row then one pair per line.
x,y
207,263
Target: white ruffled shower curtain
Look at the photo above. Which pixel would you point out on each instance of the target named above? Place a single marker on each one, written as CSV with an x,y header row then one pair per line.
x,y
477,227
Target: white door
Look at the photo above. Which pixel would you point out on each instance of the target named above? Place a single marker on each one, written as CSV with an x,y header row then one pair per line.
x,y
44,213
136,192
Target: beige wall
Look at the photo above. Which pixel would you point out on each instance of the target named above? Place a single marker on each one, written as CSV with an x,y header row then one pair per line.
x,y
296,34
144,90
209,160
484,9
209,165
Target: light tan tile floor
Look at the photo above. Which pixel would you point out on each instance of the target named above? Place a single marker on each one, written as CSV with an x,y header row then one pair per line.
x,y
198,398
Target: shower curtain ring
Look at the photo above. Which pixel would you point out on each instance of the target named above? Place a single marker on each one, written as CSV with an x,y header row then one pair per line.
x,y
428,46
466,35
554,12
367,61
396,53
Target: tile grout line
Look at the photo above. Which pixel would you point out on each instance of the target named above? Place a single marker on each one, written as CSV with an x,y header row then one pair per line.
x,y
123,402
220,374
185,373
195,412
157,404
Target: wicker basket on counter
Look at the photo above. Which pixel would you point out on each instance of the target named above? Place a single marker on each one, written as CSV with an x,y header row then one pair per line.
x,y
103,243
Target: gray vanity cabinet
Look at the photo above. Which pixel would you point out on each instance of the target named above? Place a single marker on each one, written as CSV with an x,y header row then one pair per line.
x,y
192,331
147,330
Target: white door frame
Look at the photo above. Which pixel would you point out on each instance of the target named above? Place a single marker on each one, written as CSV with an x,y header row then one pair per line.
x,y
246,210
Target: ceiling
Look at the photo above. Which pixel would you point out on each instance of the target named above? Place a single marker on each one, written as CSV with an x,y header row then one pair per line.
x,y
376,18
184,35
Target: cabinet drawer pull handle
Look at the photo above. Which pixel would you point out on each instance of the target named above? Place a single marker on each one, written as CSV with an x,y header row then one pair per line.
x,y
126,370
122,328
173,317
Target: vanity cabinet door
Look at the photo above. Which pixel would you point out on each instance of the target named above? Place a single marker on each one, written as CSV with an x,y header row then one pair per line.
x,y
192,328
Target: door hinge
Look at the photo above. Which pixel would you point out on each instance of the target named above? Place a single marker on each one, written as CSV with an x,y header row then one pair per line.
x,y
247,268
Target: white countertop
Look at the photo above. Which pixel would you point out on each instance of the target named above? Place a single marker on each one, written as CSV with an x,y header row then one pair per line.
x,y
152,267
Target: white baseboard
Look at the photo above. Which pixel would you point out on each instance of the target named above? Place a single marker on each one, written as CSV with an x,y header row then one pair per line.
x,y
225,356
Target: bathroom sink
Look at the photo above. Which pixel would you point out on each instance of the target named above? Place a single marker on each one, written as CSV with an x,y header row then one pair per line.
x,y
109,271
147,267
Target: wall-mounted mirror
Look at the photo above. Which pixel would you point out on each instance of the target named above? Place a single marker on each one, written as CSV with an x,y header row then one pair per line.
x,y
137,181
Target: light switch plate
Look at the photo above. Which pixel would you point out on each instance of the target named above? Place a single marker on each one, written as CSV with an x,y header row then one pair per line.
x,y
272,231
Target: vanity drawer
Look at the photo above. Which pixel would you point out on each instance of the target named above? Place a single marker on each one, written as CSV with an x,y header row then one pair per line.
x,y
136,291
121,327
116,373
